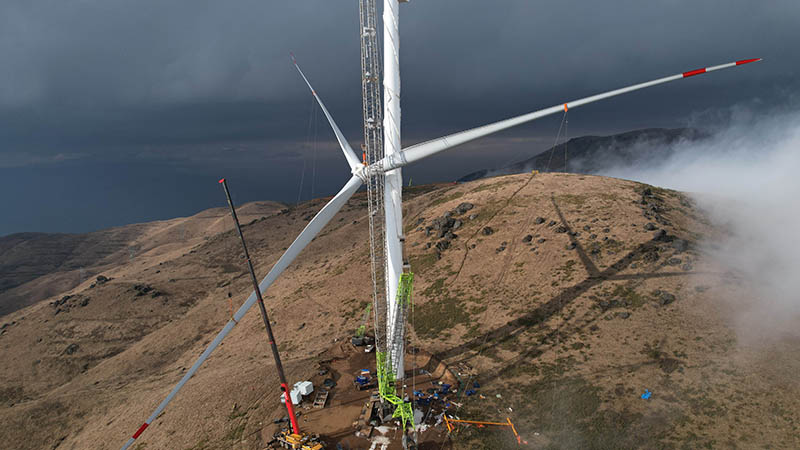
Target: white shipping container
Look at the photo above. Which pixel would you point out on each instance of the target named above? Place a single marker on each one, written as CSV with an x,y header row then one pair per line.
x,y
295,395
305,387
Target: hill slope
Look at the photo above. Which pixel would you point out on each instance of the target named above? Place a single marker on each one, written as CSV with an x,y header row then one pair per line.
x,y
35,266
566,295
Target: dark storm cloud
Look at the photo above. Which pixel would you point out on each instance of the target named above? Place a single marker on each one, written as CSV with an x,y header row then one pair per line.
x,y
182,80
113,73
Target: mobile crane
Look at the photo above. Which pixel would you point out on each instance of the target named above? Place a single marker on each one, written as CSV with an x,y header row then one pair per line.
x,y
292,438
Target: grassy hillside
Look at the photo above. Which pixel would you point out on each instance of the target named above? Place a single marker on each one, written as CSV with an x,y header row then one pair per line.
x,y
565,295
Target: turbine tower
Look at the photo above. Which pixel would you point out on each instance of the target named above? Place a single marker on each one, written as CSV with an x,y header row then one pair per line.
x,y
393,186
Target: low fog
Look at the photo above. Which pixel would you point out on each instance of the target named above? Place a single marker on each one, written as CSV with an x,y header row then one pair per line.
x,y
746,177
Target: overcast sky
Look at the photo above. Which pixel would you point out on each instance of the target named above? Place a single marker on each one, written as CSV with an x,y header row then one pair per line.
x,y
114,112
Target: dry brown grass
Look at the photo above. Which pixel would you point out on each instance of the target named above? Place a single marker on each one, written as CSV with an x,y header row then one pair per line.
x,y
550,336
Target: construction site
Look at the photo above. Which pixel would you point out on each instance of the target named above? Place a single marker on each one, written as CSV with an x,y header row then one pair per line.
x,y
519,277
400,396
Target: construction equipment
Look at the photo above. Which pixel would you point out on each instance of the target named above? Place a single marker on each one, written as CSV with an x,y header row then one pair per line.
x,y
360,338
298,441
321,398
450,427
365,381
294,438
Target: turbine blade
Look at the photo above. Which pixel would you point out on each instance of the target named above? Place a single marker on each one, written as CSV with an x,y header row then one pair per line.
x,y
306,236
425,149
349,154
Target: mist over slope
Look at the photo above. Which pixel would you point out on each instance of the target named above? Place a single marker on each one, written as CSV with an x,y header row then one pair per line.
x,y
745,177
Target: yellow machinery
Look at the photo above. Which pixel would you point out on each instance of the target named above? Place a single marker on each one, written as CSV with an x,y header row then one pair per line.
x,y
287,439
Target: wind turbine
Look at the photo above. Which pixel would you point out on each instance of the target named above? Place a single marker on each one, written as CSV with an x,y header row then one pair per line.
x,y
390,167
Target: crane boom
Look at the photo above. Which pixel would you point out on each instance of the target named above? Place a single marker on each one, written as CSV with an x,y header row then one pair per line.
x,y
264,315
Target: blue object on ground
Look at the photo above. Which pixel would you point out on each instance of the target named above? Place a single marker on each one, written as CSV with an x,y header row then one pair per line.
x,y
469,392
445,389
646,394
361,380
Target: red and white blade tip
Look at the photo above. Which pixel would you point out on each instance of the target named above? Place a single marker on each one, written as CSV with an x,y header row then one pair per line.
x,y
221,180
747,61
294,61
692,73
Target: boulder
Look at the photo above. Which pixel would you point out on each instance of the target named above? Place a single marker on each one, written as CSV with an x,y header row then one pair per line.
x,y
463,208
665,298
486,231
527,238
650,226
539,220
561,229
680,245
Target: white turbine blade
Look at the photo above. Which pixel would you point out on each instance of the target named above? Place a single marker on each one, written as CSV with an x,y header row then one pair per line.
x,y
309,232
349,154
422,150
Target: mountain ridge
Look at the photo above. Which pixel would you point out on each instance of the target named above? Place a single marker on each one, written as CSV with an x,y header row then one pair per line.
x,y
594,153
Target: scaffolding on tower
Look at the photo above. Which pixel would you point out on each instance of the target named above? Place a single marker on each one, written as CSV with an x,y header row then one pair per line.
x,y
372,153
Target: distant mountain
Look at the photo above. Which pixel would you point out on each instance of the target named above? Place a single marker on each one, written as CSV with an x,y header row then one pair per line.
x,y
592,154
